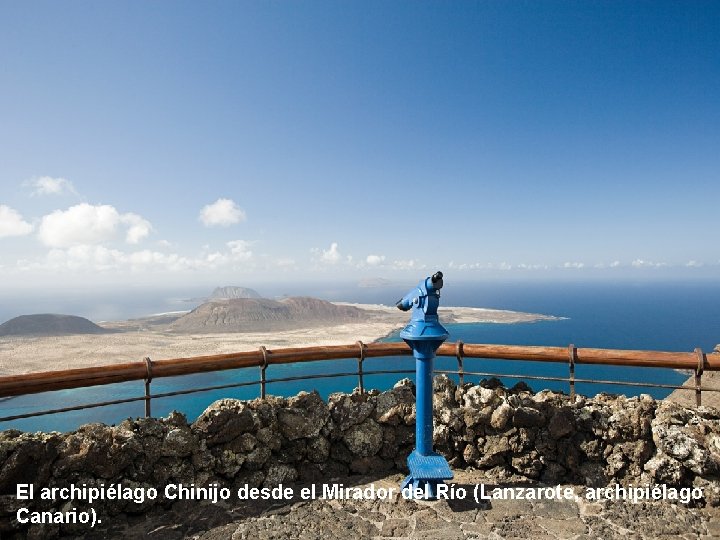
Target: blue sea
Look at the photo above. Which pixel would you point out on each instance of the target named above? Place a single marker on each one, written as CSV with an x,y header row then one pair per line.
x,y
670,316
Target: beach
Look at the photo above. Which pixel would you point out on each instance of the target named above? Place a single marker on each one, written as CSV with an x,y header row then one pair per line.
x,y
149,337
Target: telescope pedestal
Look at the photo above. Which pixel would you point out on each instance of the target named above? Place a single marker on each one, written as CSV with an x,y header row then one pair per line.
x,y
427,468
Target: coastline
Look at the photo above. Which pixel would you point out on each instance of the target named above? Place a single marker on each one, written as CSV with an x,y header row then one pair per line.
x,y
149,336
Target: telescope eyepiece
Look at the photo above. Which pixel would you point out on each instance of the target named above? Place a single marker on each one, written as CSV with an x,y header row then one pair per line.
x,y
437,280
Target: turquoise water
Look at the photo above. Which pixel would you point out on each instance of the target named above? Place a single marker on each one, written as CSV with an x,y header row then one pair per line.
x,y
660,316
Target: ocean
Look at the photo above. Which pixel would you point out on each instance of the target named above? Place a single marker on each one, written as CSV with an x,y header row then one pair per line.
x,y
671,316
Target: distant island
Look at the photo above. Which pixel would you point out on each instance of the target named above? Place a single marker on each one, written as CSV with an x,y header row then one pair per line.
x,y
231,319
229,291
234,292
50,324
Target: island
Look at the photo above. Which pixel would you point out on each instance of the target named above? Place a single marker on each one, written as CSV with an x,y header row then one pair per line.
x,y
223,325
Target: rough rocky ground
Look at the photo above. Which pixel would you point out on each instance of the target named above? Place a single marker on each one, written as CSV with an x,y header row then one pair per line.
x,y
441,520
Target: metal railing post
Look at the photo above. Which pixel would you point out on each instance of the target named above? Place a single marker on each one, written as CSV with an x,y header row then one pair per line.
x,y
459,355
572,356
263,367
148,380
361,358
698,375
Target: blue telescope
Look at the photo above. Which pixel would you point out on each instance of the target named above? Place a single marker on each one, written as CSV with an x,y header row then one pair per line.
x,y
424,334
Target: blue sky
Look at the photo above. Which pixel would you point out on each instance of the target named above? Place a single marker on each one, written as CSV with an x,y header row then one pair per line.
x,y
217,142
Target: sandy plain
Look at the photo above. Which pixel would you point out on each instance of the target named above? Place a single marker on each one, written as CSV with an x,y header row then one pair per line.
x,y
137,338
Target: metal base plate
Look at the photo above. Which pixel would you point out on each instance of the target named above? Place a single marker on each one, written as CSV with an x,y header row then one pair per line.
x,y
432,467
426,472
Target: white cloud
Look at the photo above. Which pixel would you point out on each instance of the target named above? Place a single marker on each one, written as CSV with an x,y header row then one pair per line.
x,y
138,227
240,250
470,266
374,260
12,223
640,263
285,262
222,212
47,185
408,264
86,224
614,264
329,256
100,258
85,257
573,265
78,225
694,264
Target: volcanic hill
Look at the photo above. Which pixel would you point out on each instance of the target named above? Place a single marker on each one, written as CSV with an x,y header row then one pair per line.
x,y
49,324
234,292
262,314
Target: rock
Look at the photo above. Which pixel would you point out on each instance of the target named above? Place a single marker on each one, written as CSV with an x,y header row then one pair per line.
x,y
561,423
396,406
340,452
223,421
266,409
269,437
229,463
492,383
441,435
471,454
350,410
305,416
318,449
257,458
364,439
279,474
444,390
710,488
26,458
292,452
521,387
665,470
501,416
478,397
696,444
528,417
528,465
494,451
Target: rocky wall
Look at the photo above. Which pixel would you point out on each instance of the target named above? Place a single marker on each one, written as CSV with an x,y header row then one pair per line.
x,y
512,433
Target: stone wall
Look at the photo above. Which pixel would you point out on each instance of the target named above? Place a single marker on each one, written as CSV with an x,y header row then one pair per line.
x,y
512,433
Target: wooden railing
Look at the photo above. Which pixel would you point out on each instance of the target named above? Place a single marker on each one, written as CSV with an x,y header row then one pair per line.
x,y
147,370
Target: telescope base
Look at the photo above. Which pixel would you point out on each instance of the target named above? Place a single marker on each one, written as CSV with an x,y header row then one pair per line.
x,y
426,473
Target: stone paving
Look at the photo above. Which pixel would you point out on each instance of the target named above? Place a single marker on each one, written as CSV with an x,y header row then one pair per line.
x,y
400,518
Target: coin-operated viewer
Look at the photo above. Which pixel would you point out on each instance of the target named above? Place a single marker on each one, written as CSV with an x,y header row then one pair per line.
x,y
424,334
